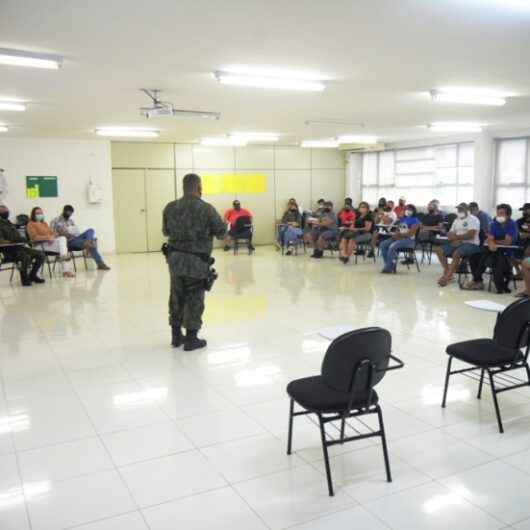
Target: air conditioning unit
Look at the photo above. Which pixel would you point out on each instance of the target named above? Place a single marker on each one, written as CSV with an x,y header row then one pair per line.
x,y
362,148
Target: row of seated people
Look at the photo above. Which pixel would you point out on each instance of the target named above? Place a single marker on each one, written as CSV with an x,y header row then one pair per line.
x,y
500,244
27,242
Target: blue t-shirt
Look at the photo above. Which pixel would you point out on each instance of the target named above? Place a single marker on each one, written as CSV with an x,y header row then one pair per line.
x,y
405,223
500,231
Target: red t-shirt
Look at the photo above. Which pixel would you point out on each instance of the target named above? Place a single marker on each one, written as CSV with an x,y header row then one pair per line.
x,y
232,215
346,217
399,211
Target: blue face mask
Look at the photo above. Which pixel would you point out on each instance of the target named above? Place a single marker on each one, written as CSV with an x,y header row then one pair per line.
x,y
39,217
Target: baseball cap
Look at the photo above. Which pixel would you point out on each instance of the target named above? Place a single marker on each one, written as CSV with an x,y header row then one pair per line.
x,y
526,206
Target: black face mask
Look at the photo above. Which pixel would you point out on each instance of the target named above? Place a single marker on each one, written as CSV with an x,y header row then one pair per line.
x,y
237,207
4,215
526,213
431,210
67,215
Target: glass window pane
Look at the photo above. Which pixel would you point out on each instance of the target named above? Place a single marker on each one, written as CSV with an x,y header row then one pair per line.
x,y
390,194
464,194
369,169
511,161
426,179
446,175
370,195
512,196
446,156
417,196
414,167
447,196
386,168
465,175
466,154
421,153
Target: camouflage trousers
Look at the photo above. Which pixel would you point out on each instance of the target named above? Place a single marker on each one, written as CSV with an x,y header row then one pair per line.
x,y
186,301
27,257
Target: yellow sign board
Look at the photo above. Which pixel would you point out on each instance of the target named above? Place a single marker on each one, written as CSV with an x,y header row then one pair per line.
x,y
233,183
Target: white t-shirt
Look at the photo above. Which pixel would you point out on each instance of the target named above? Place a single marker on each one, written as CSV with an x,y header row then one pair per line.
x,y
461,226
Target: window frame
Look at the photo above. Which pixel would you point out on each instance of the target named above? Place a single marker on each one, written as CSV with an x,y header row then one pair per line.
x,y
526,182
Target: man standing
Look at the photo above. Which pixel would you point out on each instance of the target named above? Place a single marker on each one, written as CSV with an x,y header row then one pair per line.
x,y
30,260
190,224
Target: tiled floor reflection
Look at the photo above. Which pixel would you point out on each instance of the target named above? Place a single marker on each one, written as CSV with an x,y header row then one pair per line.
x,y
103,426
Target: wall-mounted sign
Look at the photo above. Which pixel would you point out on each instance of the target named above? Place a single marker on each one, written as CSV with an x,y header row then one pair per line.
x,y
37,187
233,183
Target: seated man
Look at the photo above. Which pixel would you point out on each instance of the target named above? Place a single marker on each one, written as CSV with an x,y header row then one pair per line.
x,y
502,231
64,226
29,259
404,238
463,241
483,217
231,217
432,223
323,230
523,238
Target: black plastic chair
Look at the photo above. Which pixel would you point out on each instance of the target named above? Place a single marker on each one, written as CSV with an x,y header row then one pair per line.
x,y
496,356
242,233
363,250
354,363
409,256
7,261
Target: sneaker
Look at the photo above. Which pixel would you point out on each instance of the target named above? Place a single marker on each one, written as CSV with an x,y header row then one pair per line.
x,y
370,254
226,248
317,254
289,253
36,279
473,286
387,271
103,267
344,259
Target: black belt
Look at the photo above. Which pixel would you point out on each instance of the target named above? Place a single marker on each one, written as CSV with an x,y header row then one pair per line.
x,y
201,255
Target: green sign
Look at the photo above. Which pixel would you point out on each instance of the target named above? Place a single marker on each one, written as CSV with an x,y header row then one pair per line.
x,y
37,187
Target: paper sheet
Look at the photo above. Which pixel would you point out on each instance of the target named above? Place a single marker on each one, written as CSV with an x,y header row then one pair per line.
x,y
486,305
333,332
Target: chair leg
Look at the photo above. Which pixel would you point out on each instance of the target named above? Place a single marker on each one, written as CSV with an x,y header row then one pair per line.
x,y
342,428
290,432
479,394
12,273
73,261
447,375
326,455
495,402
416,261
383,441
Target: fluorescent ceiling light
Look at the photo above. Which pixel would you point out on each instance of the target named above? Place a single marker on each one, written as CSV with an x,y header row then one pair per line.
x,y
34,60
3,128
127,132
331,144
224,141
455,126
256,136
269,79
357,139
12,105
468,96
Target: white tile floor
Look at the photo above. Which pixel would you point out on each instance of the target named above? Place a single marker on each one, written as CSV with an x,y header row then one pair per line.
x,y
104,427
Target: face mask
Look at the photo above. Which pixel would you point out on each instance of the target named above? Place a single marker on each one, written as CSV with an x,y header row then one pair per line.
x,y
526,213
4,215
408,213
461,215
402,203
327,210
237,207
501,219
39,217
431,209
66,215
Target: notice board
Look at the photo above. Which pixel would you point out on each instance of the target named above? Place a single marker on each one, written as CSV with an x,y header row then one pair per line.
x,y
37,187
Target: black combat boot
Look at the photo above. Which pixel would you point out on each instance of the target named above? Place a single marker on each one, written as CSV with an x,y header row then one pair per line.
x,y
177,339
33,274
24,278
192,342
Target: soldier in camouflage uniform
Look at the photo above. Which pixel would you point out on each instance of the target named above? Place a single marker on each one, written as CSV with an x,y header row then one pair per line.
x,y
190,225
29,259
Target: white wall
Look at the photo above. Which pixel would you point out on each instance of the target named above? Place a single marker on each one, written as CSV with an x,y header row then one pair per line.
x,y
73,162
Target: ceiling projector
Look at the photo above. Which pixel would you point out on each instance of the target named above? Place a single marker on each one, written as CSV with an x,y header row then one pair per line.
x,y
165,108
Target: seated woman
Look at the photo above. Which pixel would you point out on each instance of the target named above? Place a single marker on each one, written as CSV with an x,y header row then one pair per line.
x,y
359,232
346,216
290,229
40,232
403,238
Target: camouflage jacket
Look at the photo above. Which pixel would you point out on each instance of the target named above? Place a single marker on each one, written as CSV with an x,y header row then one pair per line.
x,y
190,224
9,232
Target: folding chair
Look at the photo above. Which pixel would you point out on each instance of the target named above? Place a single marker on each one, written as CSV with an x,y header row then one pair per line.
x,y
354,363
497,356
409,256
7,262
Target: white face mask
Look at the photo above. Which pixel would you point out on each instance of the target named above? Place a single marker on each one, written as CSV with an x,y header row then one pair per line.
x,y
408,213
461,215
501,219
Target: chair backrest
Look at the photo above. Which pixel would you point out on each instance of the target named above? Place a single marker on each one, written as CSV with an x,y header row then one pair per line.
x,y
242,222
345,354
511,328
